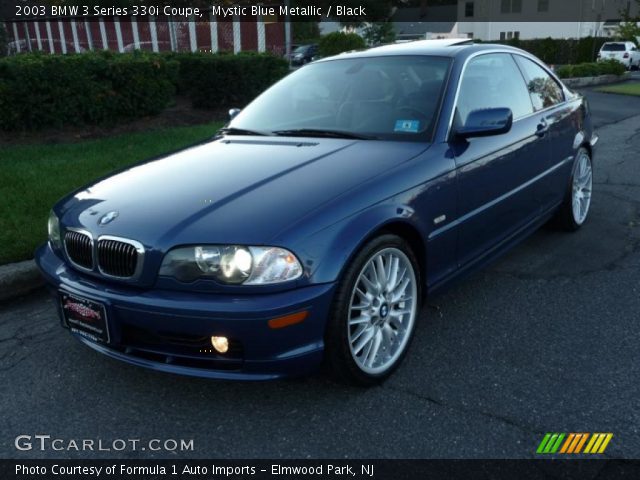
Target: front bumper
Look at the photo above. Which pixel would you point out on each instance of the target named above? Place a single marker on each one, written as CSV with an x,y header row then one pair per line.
x,y
170,330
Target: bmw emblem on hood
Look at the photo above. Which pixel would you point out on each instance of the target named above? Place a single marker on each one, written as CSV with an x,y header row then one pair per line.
x,y
108,218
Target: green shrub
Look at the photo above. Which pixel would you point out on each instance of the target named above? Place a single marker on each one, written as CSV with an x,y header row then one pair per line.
x,y
305,32
611,67
338,42
39,90
226,80
547,50
565,71
560,51
586,70
593,69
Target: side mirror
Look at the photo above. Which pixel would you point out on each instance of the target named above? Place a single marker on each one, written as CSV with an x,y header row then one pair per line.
x,y
233,113
486,122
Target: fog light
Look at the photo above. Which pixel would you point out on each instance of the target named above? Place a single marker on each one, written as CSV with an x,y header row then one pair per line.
x,y
221,344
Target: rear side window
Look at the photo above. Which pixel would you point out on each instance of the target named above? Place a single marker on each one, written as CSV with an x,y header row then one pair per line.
x,y
543,89
493,81
613,47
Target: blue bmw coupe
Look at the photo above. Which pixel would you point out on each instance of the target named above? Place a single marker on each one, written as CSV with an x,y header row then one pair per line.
x,y
312,226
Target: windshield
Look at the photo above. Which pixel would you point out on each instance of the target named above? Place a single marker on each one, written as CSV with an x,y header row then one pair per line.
x,y
391,98
302,49
613,47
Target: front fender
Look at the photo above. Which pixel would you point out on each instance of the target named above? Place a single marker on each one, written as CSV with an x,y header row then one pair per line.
x,y
328,252
586,136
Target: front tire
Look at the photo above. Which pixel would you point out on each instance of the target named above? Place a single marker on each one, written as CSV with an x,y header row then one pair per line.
x,y
374,312
574,211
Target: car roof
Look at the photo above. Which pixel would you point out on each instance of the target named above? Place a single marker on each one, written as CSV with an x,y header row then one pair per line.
x,y
441,47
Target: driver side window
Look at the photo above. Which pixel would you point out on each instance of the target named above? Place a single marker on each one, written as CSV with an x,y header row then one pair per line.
x,y
492,81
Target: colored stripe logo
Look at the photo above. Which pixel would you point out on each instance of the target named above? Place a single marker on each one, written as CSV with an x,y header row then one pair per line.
x,y
592,443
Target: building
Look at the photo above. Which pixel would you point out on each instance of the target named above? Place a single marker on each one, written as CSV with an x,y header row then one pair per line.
x,y
125,34
426,22
526,19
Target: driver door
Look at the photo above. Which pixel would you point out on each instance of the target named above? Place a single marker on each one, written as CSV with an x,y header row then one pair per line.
x,y
496,174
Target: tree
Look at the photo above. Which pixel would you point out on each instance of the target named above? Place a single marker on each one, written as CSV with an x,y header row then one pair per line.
x,y
379,33
338,42
3,40
629,29
305,31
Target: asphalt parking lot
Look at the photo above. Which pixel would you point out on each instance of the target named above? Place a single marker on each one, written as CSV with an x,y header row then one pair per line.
x,y
545,340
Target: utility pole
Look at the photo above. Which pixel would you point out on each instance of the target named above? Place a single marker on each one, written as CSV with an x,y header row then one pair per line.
x,y
287,31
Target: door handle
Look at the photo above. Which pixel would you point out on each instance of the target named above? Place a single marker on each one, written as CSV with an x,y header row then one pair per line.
x,y
542,129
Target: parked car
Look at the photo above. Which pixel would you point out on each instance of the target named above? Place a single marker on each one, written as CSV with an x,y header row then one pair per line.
x,y
314,225
289,56
624,52
303,54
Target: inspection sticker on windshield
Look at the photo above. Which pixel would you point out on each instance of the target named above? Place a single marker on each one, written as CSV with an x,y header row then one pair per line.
x,y
407,126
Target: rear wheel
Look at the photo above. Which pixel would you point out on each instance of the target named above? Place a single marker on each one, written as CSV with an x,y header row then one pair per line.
x,y
374,312
575,208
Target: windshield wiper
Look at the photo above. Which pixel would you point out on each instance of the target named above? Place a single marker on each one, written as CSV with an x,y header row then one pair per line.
x,y
239,131
317,132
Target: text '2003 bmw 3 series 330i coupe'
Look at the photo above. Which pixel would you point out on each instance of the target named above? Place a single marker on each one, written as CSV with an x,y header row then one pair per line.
x,y
314,224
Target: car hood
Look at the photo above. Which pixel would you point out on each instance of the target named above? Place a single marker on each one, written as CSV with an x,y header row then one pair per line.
x,y
240,190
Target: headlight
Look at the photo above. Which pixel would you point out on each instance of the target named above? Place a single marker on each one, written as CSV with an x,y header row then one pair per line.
x,y
232,264
53,226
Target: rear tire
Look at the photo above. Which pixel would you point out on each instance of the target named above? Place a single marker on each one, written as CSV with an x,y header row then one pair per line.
x,y
374,312
574,211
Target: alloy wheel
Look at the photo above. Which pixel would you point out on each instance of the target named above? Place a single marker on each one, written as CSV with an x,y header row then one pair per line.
x,y
382,311
581,188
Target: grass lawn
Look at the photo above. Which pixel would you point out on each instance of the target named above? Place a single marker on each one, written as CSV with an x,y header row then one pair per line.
x,y
34,177
628,88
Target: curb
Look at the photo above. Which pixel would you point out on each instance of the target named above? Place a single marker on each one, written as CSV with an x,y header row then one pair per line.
x,y
581,82
19,279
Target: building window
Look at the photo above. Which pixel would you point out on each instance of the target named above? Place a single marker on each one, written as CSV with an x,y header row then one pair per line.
x,y
468,9
511,6
543,5
509,35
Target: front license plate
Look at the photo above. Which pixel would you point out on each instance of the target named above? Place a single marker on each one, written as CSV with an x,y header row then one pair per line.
x,y
84,316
